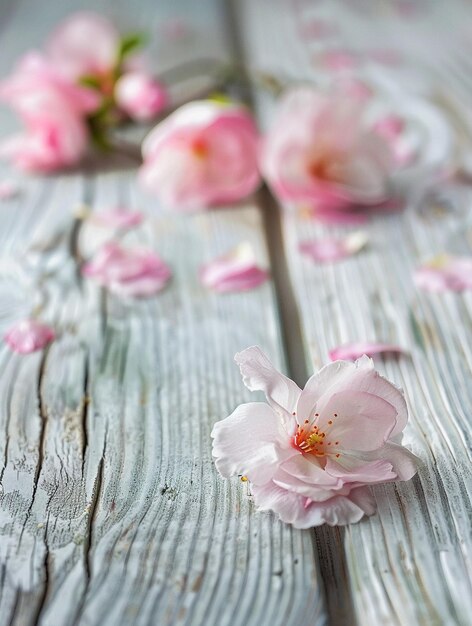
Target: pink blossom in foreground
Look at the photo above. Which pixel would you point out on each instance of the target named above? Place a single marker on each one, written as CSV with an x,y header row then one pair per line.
x,y
53,112
128,272
140,96
355,350
310,455
334,248
320,152
236,271
8,189
118,218
204,154
445,273
28,336
84,44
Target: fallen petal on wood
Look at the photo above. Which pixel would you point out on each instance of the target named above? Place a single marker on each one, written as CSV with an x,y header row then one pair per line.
x,y
445,273
332,248
29,336
353,351
134,272
235,271
117,218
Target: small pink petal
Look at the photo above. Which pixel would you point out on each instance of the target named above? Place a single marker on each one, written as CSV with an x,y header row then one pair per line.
x,y
8,190
354,351
128,272
390,127
29,336
339,60
117,218
445,273
334,249
235,271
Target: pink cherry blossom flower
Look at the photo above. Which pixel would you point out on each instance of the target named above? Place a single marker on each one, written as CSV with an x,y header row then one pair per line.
x,y
128,272
140,96
309,455
53,111
445,273
355,350
119,218
236,271
320,151
86,43
334,248
204,154
28,336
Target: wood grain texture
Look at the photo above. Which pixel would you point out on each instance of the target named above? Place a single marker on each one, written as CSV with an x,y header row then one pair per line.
x,y
111,511
410,563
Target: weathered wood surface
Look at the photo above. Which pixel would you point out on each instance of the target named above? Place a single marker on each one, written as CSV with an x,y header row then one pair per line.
x,y
411,563
111,511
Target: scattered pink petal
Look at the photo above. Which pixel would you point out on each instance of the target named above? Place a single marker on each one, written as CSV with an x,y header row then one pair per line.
x,y
235,271
310,455
8,190
128,272
332,248
390,127
386,56
117,218
339,60
445,273
353,351
29,336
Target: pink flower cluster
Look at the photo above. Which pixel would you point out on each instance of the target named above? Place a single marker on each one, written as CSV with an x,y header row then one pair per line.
x,y
57,93
310,455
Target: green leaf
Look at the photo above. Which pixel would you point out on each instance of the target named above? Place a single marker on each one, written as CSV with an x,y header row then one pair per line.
x,y
90,81
129,43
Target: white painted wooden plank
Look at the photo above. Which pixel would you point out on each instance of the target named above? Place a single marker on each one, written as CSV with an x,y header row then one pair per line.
x,y
111,510
411,563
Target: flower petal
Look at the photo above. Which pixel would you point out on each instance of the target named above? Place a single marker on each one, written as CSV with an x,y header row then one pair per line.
x,y
334,249
235,271
353,351
28,336
445,273
8,189
294,509
250,442
260,375
342,376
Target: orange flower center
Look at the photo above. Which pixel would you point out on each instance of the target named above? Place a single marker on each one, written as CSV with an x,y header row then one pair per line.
x,y
310,439
199,148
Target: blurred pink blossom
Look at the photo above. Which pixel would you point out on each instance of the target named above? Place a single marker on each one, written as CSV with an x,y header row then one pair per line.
x,y
84,44
445,273
309,455
118,218
204,154
53,111
28,336
140,96
319,151
133,272
235,271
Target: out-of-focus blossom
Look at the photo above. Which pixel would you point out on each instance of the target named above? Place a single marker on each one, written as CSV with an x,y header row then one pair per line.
x,y
236,271
391,128
128,272
140,96
445,273
339,60
204,154
28,336
53,111
353,351
309,455
334,248
320,151
85,44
